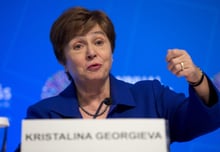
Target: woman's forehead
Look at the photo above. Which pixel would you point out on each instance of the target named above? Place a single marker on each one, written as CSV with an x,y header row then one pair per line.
x,y
96,30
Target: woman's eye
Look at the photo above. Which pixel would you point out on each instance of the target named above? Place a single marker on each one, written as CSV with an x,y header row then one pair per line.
x,y
77,46
99,42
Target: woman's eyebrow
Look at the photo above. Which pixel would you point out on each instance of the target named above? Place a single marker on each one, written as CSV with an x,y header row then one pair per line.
x,y
92,33
98,32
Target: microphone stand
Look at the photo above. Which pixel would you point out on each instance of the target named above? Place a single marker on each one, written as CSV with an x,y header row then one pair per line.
x,y
3,147
107,102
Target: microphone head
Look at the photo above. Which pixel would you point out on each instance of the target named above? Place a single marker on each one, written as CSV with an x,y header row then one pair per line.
x,y
108,101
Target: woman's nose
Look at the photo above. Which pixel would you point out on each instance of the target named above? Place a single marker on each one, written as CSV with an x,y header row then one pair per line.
x,y
91,56
91,53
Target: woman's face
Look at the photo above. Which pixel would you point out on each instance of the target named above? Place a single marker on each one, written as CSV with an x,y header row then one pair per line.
x,y
89,57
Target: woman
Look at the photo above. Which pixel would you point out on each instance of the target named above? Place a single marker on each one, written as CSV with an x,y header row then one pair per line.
x,y
84,42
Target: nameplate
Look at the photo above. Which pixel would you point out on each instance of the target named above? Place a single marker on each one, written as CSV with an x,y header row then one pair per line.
x,y
84,135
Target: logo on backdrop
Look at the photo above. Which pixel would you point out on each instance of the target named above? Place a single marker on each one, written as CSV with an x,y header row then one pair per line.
x,y
55,84
5,96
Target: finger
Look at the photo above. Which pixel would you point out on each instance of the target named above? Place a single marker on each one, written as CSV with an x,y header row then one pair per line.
x,y
177,68
173,63
173,53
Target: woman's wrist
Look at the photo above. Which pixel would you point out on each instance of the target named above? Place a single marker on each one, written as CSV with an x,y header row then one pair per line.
x,y
195,84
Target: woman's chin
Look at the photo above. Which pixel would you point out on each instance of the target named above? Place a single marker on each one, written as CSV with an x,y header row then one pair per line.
x,y
97,77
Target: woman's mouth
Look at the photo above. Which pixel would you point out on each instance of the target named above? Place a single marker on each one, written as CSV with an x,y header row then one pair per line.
x,y
94,67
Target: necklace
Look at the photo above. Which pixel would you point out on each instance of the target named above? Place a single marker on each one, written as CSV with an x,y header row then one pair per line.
x,y
93,115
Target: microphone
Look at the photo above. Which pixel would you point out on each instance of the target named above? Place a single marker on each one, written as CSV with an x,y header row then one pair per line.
x,y
107,102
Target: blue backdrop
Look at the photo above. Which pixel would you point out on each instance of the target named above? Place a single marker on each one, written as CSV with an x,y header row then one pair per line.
x,y
145,30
